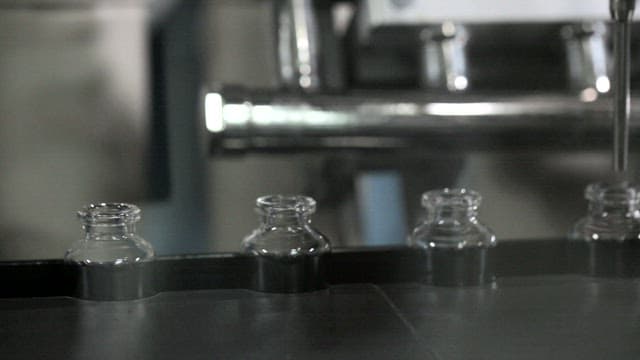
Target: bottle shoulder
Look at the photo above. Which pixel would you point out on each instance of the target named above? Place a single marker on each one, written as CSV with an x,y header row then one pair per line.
x,y
286,241
430,235
124,250
602,228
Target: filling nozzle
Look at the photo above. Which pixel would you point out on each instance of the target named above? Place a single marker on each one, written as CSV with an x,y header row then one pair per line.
x,y
621,13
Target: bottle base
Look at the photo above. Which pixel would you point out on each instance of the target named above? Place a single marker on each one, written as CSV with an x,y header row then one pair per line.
x,y
603,258
285,274
109,282
458,267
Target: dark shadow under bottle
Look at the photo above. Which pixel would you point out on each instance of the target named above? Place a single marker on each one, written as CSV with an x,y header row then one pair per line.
x,y
458,267
286,274
606,258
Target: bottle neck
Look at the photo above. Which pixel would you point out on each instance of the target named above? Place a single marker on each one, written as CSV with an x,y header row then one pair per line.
x,y
109,221
101,232
453,214
451,207
284,220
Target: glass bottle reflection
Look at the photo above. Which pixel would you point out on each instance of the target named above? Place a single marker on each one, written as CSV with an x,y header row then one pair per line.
x,y
111,262
110,236
289,251
612,215
607,240
453,240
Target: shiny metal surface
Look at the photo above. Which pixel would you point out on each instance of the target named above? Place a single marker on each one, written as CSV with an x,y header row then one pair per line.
x,y
298,48
622,14
522,134
385,13
381,116
112,282
587,57
443,58
622,10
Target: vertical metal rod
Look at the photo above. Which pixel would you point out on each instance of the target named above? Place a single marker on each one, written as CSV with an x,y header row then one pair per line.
x,y
621,96
621,13
298,44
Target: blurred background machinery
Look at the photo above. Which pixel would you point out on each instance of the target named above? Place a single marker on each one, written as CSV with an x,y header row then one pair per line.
x,y
192,109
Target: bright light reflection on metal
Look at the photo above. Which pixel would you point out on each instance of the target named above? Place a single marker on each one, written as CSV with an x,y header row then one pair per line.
x,y
236,114
462,109
603,84
589,95
397,109
305,81
266,115
406,109
296,115
448,29
461,82
213,112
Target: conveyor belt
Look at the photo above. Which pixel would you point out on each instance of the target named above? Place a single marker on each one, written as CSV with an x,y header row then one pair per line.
x,y
535,317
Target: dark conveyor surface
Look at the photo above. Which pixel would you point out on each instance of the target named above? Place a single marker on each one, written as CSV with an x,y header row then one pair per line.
x,y
526,317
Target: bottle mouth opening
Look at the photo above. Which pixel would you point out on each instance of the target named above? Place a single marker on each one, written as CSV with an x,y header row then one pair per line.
x,y
452,197
612,193
285,204
109,214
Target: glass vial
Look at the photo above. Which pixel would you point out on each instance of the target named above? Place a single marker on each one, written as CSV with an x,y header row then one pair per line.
x,y
606,242
455,243
290,253
111,262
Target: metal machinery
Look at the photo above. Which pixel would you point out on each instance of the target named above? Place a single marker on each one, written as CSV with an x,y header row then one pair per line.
x,y
398,97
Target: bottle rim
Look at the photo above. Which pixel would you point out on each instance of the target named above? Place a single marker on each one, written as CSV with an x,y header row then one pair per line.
x,y
109,213
462,197
285,203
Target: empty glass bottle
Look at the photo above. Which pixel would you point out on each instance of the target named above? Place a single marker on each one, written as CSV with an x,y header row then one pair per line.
x,y
613,214
110,261
607,240
288,249
454,241
110,236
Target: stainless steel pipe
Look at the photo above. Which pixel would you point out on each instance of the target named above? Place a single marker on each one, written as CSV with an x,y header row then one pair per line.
x,y
621,13
378,120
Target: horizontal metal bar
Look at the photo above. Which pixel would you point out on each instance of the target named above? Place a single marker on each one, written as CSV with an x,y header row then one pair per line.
x,y
370,120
